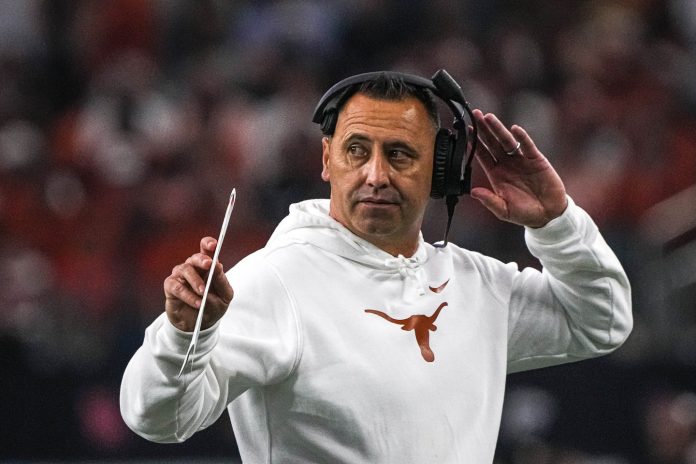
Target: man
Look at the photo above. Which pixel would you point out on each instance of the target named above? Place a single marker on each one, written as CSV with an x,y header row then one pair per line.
x,y
348,338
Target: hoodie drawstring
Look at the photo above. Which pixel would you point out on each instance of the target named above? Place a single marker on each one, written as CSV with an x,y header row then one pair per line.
x,y
408,268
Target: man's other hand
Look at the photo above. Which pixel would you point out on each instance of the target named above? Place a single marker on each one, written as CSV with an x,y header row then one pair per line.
x,y
183,290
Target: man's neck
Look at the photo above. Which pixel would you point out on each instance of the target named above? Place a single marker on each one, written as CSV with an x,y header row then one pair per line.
x,y
406,250
394,247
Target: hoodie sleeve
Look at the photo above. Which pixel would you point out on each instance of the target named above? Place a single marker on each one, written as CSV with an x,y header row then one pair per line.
x,y
256,343
578,307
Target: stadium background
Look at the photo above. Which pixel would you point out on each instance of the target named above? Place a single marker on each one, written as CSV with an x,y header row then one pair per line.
x,y
124,124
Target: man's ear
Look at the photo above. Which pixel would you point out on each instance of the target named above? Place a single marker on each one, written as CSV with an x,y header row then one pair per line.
x,y
325,149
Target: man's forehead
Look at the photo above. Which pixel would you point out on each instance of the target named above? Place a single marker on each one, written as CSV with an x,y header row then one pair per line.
x,y
363,100
407,113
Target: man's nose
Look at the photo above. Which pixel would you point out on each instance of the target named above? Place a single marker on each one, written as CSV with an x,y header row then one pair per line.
x,y
378,171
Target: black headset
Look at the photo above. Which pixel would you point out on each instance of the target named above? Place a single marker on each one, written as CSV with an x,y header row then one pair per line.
x,y
451,173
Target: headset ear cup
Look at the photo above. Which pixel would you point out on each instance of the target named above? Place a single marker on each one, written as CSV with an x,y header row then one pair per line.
x,y
443,150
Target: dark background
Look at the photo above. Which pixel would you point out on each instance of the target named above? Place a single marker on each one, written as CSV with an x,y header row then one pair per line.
x,y
124,124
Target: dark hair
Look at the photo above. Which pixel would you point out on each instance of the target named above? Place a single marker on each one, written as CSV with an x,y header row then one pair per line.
x,y
385,87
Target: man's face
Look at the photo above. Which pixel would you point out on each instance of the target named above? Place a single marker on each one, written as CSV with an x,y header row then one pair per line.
x,y
379,163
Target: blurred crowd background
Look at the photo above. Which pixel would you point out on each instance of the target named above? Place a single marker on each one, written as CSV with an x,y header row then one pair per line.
x,y
124,124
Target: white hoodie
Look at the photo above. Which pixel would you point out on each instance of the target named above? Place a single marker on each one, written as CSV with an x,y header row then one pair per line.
x,y
334,351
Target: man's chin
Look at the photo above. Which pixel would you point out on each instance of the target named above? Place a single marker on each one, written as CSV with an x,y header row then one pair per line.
x,y
377,227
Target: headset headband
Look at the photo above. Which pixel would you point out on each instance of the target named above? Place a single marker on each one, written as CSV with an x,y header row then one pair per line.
x,y
442,86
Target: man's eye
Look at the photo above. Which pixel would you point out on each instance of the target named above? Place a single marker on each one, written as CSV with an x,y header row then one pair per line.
x,y
399,156
357,150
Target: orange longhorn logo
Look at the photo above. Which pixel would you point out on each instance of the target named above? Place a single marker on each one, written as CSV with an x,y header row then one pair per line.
x,y
420,324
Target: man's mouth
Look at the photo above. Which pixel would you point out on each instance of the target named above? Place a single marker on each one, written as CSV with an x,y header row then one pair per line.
x,y
378,201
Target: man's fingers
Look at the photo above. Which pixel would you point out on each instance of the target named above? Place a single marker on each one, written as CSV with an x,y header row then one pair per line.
x,y
221,285
483,154
208,245
486,136
505,138
498,138
176,288
200,261
192,273
529,148
189,273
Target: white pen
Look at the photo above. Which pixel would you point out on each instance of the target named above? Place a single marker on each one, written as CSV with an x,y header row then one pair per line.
x,y
197,329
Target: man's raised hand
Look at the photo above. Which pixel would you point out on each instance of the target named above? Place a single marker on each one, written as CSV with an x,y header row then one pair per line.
x,y
525,189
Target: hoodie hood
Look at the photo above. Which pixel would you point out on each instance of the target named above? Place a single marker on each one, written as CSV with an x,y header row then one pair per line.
x,y
309,222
